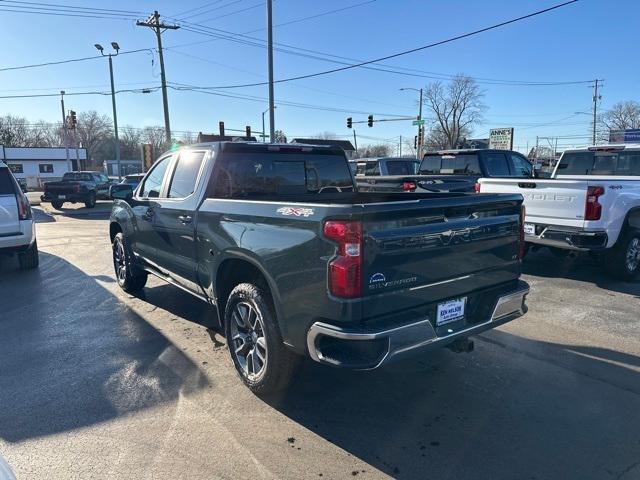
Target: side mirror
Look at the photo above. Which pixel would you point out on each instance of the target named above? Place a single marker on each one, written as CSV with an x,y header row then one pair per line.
x,y
121,191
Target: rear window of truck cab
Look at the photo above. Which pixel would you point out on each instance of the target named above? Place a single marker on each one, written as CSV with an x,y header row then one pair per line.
x,y
244,175
77,177
615,163
450,164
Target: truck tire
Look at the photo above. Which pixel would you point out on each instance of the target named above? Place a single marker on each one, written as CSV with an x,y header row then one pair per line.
x,y
129,277
57,204
623,260
261,359
30,259
91,200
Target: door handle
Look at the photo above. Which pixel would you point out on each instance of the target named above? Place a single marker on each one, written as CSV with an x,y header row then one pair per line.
x,y
184,219
148,215
527,185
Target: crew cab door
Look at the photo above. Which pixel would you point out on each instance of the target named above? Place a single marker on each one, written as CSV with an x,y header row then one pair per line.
x,y
175,221
9,222
102,184
145,206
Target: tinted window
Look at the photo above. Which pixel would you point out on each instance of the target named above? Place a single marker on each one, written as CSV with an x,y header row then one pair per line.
x,y
451,164
184,178
398,167
520,166
372,168
6,184
600,163
496,165
259,174
153,182
77,177
132,180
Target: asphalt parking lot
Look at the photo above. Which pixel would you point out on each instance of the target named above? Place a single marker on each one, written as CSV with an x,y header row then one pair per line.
x,y
95,383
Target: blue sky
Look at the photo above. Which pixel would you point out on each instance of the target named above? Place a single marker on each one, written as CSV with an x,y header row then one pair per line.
x,y
589,39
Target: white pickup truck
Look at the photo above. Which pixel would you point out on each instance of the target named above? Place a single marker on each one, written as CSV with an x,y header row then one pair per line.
x,y
590,203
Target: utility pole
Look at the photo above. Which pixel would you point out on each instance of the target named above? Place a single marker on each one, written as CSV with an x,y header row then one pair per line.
x,y
400,147
272,117
64,129
596,97
116,47
355,141
420,129
154,23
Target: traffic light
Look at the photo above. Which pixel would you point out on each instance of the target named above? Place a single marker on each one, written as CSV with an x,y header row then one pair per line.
x,y
415,141
349,122
72,121
221,125
248,130
370,121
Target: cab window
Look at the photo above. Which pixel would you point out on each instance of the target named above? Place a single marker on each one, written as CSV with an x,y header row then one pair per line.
x,y
185,175
520,166
153,183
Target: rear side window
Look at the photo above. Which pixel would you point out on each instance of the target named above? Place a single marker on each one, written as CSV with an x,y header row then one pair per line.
x,y
372,168
520,166
465,164
398,167
241,175
185,176
496,165
6,183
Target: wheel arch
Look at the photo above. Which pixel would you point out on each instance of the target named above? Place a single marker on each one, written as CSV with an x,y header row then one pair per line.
x,y
235,270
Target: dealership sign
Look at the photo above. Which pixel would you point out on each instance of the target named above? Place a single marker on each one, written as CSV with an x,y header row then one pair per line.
x,y
501,138
625,136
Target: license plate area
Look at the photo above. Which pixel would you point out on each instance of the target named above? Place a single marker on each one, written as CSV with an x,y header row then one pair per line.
x,y
62,197
450,311
529,229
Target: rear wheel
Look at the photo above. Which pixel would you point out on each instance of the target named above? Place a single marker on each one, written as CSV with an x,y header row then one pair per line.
x,y
623,260
129,277
260,357
29,259
57,204
91,200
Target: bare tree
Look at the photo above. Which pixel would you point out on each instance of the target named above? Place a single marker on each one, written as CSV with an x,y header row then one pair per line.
x,y
154,136
93,131
279,137
326,136
188,138
380,150
130,140
621,116
456,106
14,131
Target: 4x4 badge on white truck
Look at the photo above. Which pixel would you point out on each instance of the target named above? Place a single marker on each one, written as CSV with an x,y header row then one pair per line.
x,y
296,211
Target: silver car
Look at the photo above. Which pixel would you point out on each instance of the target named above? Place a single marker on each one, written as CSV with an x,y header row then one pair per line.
x,y
17,228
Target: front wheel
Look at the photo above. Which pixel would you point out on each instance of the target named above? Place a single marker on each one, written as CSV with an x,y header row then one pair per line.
x,y
91,200
129,277
57,204
260,357
623,261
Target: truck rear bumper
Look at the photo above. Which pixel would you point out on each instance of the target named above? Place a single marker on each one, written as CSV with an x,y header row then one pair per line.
x,y
366,350
569,239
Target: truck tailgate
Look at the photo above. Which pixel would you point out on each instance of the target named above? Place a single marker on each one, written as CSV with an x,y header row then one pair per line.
x,y
431,249
553,201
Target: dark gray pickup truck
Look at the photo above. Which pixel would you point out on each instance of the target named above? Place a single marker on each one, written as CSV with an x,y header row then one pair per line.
x,y
296,262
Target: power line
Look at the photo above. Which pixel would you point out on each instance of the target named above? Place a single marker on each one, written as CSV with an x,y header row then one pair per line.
x,y
233,2
72,60
77,7
413,50
208,4
65,13
260,4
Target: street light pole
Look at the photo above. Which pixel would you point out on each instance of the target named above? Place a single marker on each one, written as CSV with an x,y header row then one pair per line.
x,y
116,47
264,134
420,128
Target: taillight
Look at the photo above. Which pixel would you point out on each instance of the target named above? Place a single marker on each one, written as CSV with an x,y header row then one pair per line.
x,y
345,270
477,187
24,209
521,244
592,209
408,186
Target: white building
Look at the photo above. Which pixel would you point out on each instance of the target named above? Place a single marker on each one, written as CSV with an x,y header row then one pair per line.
x,y
38,165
